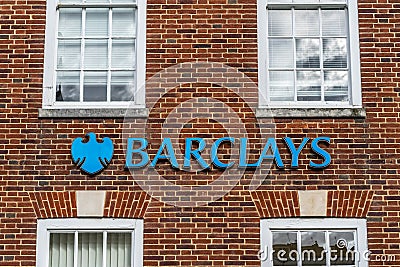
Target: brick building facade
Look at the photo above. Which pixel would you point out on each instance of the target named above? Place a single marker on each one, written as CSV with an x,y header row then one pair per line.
x,y
40,182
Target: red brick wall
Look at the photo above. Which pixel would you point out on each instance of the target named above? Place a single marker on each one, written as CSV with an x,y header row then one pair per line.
x,y
36,169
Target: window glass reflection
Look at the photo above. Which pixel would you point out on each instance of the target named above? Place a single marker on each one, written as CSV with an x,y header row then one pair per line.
x,y
281,85
122,85
307,53
309,85
336,85
284,247
95,86
335,53
67,86
313,248
342,247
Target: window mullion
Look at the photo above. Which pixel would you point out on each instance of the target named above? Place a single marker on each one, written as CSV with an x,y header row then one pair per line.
x,y
328,249
357,256
299,259
348,50
82,54
76,236
109,55
135,79
104,249
321,57
294,56
55,59
267,61
133,247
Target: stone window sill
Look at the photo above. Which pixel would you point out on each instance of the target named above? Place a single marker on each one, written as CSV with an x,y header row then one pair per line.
x,y
93,113
260,113
355,112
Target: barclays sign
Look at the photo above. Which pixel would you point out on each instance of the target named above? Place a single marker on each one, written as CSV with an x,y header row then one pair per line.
x,y
92,156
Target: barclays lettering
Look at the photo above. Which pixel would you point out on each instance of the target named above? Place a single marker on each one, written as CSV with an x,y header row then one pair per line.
x,y
137,147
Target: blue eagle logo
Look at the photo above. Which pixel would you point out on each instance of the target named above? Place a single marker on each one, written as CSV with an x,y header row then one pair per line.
x,y
91,156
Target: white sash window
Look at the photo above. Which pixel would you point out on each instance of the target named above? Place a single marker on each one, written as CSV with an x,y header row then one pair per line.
x,y
94,53
308,53
314,242
90,243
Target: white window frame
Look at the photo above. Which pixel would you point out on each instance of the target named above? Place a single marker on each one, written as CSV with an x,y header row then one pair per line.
x,y
46,226
355,97
50,59
357,225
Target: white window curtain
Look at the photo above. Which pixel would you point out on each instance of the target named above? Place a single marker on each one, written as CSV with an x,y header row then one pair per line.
x,y
90,249
62,250
119,250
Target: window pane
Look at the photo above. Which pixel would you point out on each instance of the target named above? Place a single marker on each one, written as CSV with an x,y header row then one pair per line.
x,y
343,250
69,54
307,53
313,248
96,54
90,249
306,23
95,86
336,85
67,86
96,22
281,85
70,22
122,86
284,245
279,23
61,250
335,53
123,22
333,22
281,53
119,249
309,86
123,54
